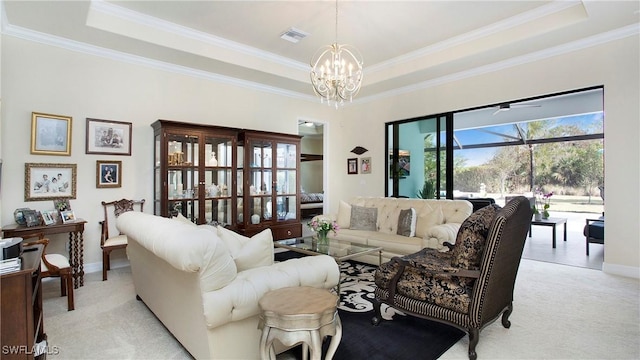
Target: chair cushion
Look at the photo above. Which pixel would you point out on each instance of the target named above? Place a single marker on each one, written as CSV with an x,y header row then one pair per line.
x,y
115,241
596,229
364,218
57,260
451,292
471,238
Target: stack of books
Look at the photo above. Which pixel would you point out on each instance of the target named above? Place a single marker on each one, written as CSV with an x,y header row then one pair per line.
x,y
9,265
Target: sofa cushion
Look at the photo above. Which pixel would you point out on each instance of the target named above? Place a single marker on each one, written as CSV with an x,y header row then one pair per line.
x,y
427,217
248,252
407,222
344,215
363,218
471,238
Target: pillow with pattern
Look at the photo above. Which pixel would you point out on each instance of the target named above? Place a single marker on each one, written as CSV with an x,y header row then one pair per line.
x,y
407,222
471,238
364,218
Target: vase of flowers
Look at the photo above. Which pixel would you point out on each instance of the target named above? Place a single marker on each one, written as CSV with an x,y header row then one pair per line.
x,y
322,227
543,203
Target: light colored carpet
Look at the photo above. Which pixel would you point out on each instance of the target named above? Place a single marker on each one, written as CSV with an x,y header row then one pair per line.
x,y
560,312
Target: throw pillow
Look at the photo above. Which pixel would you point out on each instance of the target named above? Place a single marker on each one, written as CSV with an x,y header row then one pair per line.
x,y
344,215
363,218
407,222
247,252
471,238
183,219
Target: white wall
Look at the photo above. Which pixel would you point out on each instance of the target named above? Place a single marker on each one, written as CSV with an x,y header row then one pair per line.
x,y
36,77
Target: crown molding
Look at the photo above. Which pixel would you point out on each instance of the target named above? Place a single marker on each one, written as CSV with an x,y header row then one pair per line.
x,y
76,46
617,34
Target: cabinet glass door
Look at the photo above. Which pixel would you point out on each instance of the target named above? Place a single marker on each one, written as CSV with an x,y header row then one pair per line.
x,y
260,181
286,181
182,175
218,182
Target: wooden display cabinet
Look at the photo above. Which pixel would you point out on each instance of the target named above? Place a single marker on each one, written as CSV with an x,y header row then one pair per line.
x,y
271,182
194,172
246,180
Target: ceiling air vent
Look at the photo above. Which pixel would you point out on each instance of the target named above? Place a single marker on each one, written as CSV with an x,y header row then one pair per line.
x,y
294,35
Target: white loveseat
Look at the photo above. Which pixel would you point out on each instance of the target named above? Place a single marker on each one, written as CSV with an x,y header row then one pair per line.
x,y
435,222
204,283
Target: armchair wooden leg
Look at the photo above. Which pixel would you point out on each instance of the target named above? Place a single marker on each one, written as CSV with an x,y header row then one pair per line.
x,y
66,282
505,317
105,264
474,335
375,320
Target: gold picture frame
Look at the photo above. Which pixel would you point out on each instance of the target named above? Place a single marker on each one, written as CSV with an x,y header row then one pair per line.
x,y
49,181
108,174
50,134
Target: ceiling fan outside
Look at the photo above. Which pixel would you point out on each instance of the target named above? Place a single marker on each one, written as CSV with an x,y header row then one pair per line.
x,y
508,106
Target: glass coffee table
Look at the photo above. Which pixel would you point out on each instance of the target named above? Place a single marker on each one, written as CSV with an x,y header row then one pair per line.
x,y
339,250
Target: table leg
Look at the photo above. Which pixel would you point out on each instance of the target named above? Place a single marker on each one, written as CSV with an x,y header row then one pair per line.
x,y
81,260
73,259
565,231
554,235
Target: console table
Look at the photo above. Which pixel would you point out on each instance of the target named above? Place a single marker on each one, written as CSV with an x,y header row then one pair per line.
x,y
76,242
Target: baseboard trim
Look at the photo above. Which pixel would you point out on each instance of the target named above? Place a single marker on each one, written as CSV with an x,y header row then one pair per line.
x,y
97,267
622,270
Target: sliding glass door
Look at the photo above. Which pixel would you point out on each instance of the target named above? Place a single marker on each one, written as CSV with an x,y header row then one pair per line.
x,y
419,165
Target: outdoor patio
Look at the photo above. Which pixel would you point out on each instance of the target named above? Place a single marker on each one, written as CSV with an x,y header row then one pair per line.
x,y
573,251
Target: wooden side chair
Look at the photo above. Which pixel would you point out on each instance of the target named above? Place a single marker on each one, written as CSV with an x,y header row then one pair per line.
x,y
108,242
56,265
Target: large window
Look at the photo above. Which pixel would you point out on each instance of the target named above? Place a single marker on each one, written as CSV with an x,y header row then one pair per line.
x,y
552,143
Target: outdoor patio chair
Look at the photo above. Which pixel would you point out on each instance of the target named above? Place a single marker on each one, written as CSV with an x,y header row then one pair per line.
x,y
468,287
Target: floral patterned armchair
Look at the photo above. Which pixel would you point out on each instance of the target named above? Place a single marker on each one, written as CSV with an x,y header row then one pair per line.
x,y
469,286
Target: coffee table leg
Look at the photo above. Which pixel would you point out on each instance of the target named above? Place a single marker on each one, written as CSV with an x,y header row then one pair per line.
x,y
565,231
554,235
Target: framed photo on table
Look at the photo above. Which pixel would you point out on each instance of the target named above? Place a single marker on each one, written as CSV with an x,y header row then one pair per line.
x,y
108,174
67,216
49,181
108,137
50,134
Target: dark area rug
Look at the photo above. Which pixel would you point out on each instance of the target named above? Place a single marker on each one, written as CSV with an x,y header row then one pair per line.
x,y
397,337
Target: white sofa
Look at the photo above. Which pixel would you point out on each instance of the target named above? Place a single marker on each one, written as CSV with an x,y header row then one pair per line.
x,y
204,283
435,222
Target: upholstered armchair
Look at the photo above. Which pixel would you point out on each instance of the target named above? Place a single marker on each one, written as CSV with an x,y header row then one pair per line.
x,y
469,286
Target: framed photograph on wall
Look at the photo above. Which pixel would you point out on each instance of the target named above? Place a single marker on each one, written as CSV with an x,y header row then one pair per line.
x,y
108,137
108,174
352,166
50,134
365,165
49,181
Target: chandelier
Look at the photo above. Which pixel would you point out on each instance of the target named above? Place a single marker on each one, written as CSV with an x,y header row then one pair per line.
x,y
336,71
